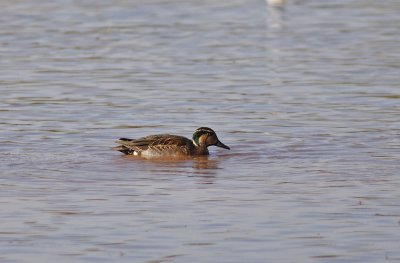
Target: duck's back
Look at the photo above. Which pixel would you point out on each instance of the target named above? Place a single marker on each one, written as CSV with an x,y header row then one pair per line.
x,y
156,145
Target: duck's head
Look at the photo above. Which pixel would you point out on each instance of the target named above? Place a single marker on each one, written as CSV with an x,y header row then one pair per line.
x,y
204,136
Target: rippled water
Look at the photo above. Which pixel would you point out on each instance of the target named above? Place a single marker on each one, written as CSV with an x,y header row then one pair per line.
x,y
306,94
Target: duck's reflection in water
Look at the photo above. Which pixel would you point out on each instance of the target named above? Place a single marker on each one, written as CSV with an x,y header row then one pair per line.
x,y
206,163
203,167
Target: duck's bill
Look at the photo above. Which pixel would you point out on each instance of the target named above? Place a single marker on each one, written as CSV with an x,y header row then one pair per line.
x,y
220,144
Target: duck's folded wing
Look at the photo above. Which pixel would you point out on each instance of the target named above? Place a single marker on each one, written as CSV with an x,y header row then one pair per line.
x,y
152,141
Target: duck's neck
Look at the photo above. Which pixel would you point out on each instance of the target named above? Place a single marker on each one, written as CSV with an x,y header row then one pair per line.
x,y
200,149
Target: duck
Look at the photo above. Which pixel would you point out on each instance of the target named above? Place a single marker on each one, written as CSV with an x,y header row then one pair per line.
x,y
168,145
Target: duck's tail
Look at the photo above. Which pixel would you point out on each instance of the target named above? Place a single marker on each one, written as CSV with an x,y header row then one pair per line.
x,y
123,149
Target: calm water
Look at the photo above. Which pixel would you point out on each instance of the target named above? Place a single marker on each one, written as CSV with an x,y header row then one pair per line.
x,y
306,94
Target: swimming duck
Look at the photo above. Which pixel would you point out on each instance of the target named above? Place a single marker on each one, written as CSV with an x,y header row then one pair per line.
x,y
171,145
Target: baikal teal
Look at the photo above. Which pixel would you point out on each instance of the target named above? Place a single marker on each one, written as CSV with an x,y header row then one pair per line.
x,y
167,145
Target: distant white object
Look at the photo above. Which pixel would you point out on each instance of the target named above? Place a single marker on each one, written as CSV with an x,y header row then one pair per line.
x,y
275,2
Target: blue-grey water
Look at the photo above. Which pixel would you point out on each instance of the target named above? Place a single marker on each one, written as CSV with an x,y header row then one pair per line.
x,y
306,94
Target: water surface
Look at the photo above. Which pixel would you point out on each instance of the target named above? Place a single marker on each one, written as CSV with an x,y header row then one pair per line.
x,y
306,95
